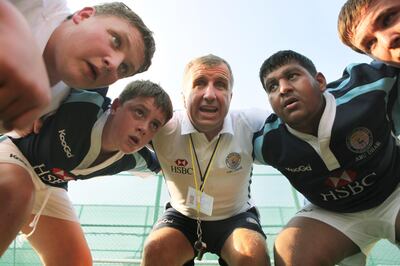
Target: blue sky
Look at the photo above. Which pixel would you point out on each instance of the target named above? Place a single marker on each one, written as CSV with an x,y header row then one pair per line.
x,y
245,33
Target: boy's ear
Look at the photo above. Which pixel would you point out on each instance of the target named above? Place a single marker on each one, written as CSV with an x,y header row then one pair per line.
x,y
115,104
83,14
320,78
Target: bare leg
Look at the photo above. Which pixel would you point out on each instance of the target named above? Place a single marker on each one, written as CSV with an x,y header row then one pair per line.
x,y
59,242
16,201
167,246
245,247
306,241
397,225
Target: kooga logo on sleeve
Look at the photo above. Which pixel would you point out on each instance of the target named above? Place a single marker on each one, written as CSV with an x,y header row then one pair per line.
x,y
64,144
301,168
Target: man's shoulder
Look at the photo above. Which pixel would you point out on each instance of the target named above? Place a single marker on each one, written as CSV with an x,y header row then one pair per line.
x,y
85,96
172,126
253,118
359,74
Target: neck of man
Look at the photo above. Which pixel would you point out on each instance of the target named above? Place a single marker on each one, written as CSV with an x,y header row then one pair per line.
x,y
210,134
311,124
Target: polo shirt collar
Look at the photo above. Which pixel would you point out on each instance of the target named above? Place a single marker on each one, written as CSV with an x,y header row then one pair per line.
x,y
188,128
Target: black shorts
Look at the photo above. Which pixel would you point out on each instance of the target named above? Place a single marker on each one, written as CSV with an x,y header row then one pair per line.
x,y
215,233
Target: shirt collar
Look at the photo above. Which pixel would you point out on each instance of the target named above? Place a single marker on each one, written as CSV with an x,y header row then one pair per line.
x,y
326,121
188,128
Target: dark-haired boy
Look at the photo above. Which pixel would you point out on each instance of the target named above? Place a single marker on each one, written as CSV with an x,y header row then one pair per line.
x,y
337,145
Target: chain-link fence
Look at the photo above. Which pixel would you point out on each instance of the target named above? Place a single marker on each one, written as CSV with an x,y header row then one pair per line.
x,y
116,232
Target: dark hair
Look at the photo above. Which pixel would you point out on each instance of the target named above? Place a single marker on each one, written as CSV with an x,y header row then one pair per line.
x,y
348,19
282,58
146,88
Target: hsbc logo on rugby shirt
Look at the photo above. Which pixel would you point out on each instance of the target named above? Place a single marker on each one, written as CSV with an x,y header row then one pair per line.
x,y
62,174
346,184
46,175
341,178
180,167
64,144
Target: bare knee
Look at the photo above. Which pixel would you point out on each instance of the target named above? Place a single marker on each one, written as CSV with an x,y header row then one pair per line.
x,y
288,251
156,252
16,191
78,257
245,247
16,194
167,246
306,241
250,259
284,255
16,200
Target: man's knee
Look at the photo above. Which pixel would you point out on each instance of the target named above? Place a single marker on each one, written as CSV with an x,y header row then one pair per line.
x,y
251,249
155,250
171,248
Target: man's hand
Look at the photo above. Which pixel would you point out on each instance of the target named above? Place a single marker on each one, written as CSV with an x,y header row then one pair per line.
x,y
24,84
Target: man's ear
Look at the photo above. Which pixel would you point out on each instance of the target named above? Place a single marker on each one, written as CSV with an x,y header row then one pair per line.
x,y
320,78
83,14
114,106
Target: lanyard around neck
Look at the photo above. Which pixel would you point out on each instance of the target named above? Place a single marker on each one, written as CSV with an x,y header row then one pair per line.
x,y
194,157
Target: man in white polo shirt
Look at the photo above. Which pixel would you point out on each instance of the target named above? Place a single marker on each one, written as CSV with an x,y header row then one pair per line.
x,y
206,153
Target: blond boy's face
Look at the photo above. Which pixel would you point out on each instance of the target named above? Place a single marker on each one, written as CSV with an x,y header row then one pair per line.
x,y
378,32
96,51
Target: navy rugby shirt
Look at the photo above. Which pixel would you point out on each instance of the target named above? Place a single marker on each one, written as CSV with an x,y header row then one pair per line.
x,y
71,136
354,164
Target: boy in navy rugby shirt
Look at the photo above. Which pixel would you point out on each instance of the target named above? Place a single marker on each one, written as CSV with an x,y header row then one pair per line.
x,y
336,144
79,141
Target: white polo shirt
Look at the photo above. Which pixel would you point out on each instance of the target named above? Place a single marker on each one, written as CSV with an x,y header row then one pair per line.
x,y
43,17
228,182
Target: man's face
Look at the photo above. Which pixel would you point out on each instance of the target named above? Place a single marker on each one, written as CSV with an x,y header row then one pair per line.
x,y
133,124
207,96
378,32
296,96
98,50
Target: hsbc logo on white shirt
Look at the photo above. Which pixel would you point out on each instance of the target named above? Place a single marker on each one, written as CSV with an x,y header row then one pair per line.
x,y
180,167
181,162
